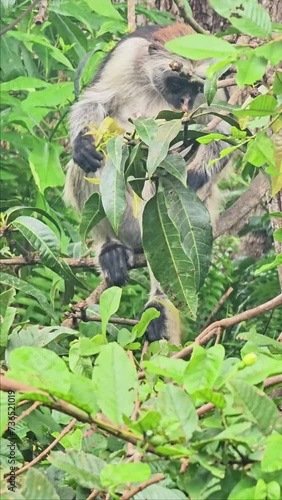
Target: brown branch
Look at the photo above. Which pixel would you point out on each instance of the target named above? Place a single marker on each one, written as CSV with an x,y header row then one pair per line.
x,y
131,15
188,19
228,82
212,329
243,206
140,487
34,259
93,494
7,384
42,15
270,381
16,21
205,409
217,307
45,452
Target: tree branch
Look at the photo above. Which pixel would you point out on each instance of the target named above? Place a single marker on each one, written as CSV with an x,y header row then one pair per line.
x,y
16,21
212,329
140,487
45,452
188,19
41,16
131,15
82,262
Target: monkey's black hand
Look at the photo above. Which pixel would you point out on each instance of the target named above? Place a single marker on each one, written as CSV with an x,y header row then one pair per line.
x,y
85,154
115,260
157,327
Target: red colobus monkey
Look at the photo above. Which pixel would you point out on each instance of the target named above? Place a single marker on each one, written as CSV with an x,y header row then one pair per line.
x,y
135,79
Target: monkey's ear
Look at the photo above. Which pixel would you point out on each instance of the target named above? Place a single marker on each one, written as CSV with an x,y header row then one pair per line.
x,y
153,48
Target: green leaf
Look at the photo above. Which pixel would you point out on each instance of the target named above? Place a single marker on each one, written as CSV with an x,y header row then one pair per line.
x,y
7,315
92,214
23,83
206,139
277,84
40,237
203,368
175,277
260,151
39,368
167,367
36,485
109,304
245,15
263,105
28,39
43,240
12,281
201,47
176,405
116,382
157,492
272,457
147,316
250,70
159,146
83,468
114,475
34,336
3,411
266,267
104,8
117,151
44,161
270,51
191,218
255,405
113,193
146,128
175,165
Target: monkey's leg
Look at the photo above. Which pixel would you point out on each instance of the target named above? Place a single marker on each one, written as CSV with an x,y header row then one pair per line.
x,y
115,259
167,325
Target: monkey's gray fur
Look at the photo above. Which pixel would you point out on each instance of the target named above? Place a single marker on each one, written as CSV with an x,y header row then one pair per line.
x,y
131,83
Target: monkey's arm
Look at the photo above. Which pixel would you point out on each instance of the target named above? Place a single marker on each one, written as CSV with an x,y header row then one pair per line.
x,y
84,114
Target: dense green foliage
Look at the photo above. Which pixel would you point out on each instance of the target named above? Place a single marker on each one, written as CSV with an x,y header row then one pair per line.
x,y
92,372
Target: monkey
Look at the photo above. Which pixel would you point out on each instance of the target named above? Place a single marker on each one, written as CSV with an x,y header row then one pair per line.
x,y
137,79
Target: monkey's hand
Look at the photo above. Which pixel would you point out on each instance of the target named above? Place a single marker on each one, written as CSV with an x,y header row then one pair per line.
x,y
85,155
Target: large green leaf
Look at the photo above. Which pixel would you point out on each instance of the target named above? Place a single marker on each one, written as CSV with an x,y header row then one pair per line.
x,y
255,405
12,281
104,8
272,457
113,193
116,382
36,485
92,214
109,304
113,475
201,47
159,145
43,240
246,15
161,242
191,218
44,161
175,165
176,406
146,128
203,368
7,315
83,468
23,83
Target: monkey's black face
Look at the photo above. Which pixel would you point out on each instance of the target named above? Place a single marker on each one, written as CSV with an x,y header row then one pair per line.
x,y
179,92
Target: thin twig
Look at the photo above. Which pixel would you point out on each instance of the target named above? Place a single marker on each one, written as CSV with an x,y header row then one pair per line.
x,y
45,452
16,21
212,329
217,307
188,19
93,494
42,15
133,491
270,381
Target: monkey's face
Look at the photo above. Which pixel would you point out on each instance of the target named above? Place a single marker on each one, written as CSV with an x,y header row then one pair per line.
x,y
171,77
180,92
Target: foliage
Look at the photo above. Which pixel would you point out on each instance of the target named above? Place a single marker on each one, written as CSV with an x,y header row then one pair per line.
x,y
93,373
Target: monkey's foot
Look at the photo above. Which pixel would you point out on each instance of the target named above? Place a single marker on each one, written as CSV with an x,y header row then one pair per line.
x,y
115,260
157,328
